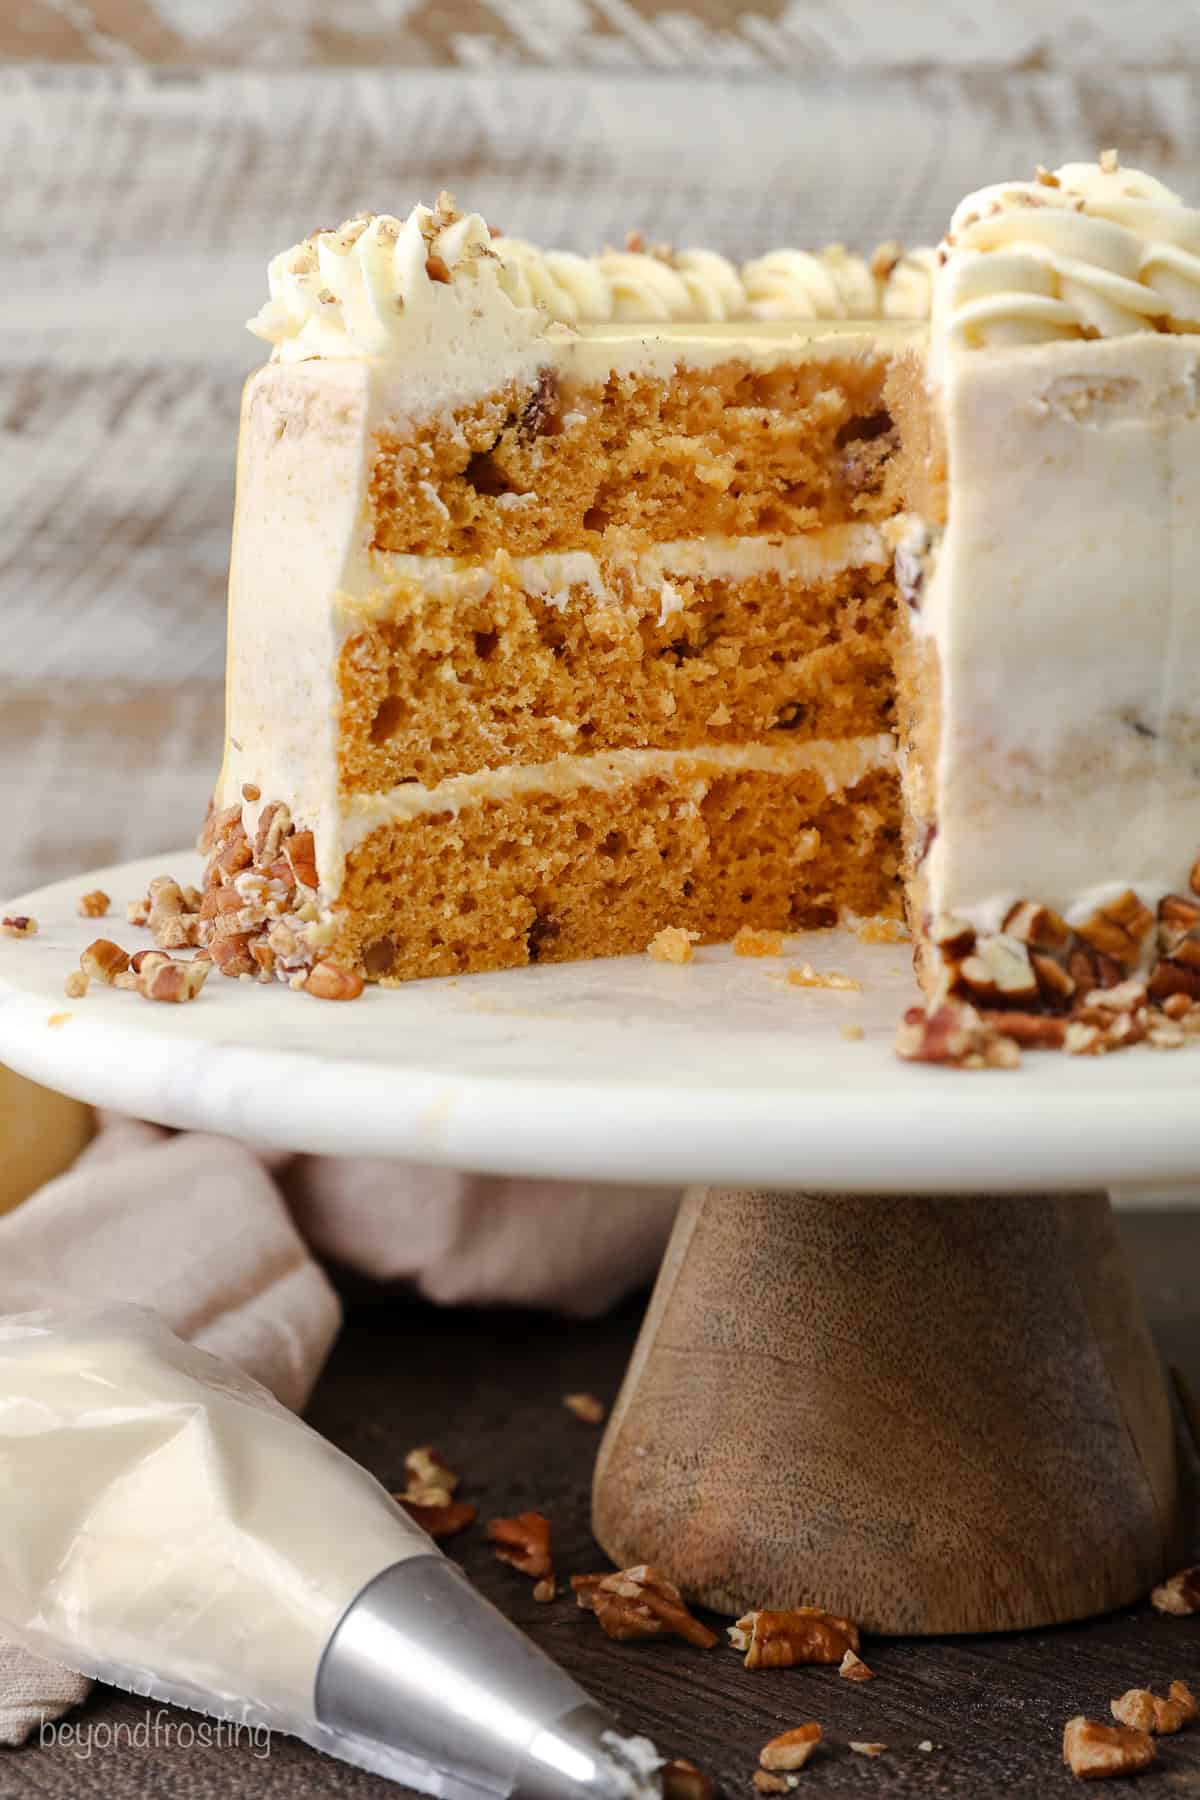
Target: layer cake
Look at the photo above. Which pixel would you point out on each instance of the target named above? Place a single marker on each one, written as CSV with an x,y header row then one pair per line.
x,y
563,605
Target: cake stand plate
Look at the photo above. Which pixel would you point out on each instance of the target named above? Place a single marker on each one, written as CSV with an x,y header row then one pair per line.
x,y
619,1070
935,1411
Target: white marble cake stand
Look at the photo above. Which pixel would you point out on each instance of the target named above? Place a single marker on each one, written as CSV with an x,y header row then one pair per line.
x,y
625,1069
939,1410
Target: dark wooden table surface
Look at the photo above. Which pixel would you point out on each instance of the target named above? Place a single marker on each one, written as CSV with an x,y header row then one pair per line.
x,y
486,1389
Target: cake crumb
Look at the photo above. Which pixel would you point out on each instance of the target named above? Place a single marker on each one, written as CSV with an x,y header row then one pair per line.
x,y
585,1407
925,1745
56,1019
673,944
94,904
808,977
18,925
545,1590
76,985
853,1034
868,1749
881,931
1109,161
749,942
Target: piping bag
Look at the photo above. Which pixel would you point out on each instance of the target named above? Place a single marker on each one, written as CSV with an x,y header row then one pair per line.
x,y
167,1527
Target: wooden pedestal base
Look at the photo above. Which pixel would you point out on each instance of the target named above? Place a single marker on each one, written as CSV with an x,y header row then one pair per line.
x,y
931,1415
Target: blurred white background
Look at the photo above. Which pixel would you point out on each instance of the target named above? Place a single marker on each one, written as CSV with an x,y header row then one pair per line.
x,y
156,152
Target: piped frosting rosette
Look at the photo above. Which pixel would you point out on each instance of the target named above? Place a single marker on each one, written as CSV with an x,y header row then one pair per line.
x,y
1093,250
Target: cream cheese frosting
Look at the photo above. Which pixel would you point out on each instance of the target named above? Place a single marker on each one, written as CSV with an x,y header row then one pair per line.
x,y
1092,250
840,763
382,286
554,576
1063,602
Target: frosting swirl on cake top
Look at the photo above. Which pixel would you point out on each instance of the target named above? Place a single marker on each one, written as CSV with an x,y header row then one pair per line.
x,y
379,285
1093,250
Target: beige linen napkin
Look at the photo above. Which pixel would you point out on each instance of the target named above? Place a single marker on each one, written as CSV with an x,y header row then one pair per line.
x,y
219,1241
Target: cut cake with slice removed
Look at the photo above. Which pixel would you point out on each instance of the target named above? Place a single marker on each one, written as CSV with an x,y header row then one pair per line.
x,y
563,606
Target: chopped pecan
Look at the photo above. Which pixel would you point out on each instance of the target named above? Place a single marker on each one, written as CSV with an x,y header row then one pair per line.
x,y
523,1541
1092,1750
682,1780
1054,984
1125,997
767,1783
545,1590
329,981
1119,929
585,1407
1177,913
1180,1594
300,851
172,981
1038,927
999,969
853,1668
1171,977
954,1034
427,1470
640,1603
232,955
1032,1031
801,1634
251,792
1144,1711
953,937
274,823
103,960
439,1521
1092,968
791,1749
94,904
237,854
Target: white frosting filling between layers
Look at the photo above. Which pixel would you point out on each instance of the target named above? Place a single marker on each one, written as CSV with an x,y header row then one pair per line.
x,y
805,558
839,762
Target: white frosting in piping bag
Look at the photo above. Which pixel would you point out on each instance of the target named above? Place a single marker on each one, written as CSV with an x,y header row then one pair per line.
x,y
165,1524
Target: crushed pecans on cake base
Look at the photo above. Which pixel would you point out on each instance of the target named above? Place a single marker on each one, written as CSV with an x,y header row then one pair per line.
x,y
259,915
1124,976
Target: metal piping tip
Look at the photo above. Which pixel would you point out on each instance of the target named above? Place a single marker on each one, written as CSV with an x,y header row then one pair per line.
x,y
424,1681
584,1755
